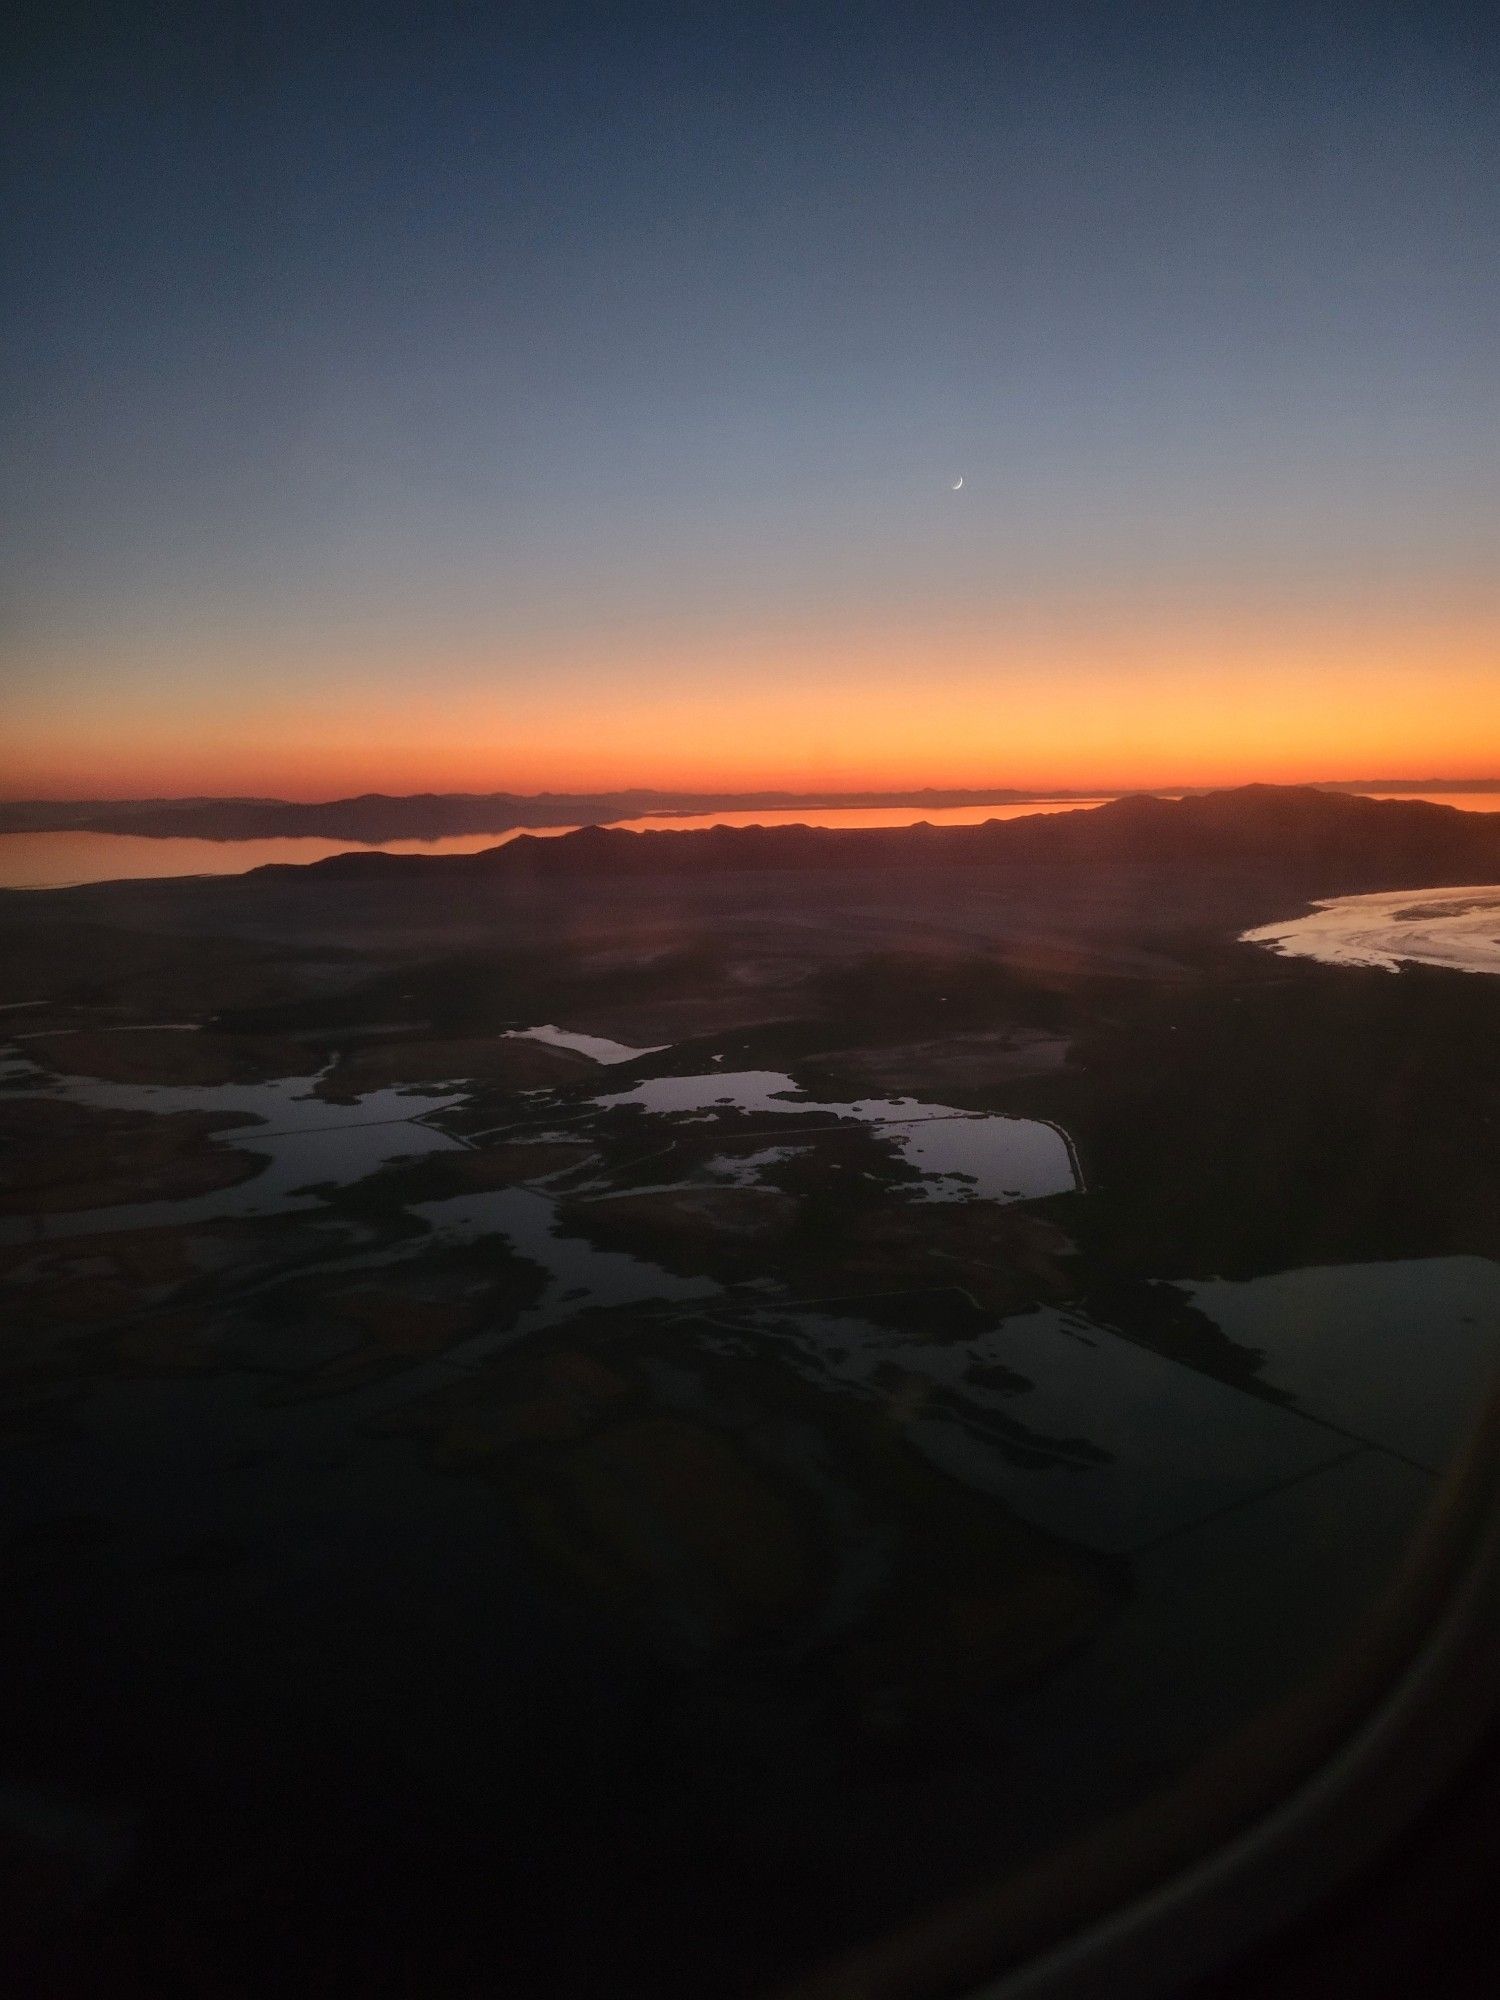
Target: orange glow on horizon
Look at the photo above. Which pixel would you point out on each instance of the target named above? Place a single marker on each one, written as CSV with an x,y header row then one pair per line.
x,y
1043,709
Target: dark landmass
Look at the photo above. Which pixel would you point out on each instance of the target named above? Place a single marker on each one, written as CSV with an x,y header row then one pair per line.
x,y
377,816
585,1547
1409,785
164,1055
1080,967
1338,840
76,1156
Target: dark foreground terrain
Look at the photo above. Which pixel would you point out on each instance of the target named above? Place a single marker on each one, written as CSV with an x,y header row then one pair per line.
x,y
929,1351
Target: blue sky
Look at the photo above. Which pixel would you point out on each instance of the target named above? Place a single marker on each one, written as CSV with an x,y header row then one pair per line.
x,y
461,347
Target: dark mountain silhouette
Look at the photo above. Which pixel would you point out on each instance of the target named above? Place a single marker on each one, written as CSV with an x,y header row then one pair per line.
x,y
1327,840
375,816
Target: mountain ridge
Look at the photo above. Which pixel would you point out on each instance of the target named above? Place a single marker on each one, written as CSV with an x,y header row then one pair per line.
x,y
1299,830
374,817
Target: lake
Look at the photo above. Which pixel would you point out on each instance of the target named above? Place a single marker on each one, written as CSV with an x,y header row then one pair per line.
x,y
65,859
669,1447
1455,928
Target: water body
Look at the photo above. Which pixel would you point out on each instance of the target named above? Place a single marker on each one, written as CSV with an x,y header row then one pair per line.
x,y
1398,1354
1455,928
65,859
1088,1435
268,1558
304,1142
68,859
580,1273
857,816
600,1047
1099,1439
961,1155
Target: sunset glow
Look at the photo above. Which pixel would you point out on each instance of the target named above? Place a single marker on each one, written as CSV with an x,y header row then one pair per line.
x,y
749,996
951,706
621,445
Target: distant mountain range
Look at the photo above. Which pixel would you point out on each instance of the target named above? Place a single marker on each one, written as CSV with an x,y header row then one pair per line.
x,y
374,816
1330,840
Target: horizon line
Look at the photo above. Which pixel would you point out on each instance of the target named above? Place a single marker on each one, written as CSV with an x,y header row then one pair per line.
x,y
769,795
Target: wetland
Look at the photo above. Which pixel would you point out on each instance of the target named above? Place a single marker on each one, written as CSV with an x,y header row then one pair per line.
x,y
773,1396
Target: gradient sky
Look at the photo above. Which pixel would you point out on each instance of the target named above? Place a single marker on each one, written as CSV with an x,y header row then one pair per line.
x,y
471,397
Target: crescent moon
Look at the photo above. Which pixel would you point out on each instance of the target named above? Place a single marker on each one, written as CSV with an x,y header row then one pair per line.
x,y
956,484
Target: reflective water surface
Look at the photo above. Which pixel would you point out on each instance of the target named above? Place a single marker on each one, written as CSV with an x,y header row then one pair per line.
x,y
695,1479
1456,928
958,1153
58,860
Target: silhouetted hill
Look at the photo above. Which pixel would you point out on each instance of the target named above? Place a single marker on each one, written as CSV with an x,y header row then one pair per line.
x,y
1307,837
374,817
377,816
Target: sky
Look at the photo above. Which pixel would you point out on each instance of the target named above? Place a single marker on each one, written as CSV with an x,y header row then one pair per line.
x,y
469,397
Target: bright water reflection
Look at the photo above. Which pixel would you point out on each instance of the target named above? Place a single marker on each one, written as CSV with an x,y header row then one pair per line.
x,y
303,1141
600,1047
66,858
1455,928
961,1154
1094,1436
